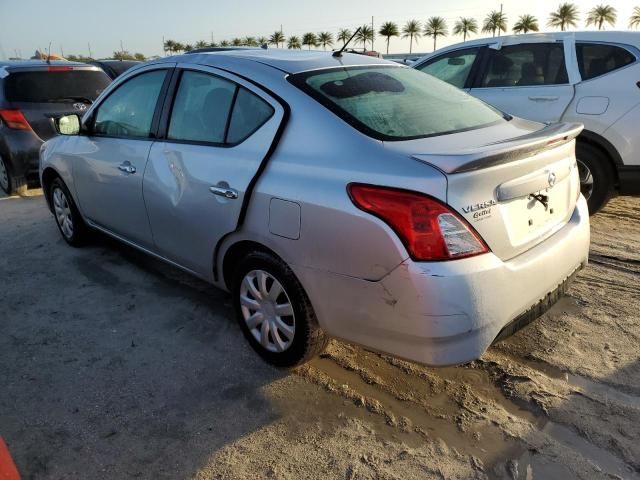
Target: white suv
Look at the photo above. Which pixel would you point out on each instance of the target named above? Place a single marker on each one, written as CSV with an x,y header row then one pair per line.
x,y
587,77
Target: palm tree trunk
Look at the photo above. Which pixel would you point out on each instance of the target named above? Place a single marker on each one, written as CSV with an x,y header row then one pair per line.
x,y
465,36
388,38
434,43
410,43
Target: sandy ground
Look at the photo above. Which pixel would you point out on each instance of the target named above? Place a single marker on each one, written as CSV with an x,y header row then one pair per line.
x,y
113,365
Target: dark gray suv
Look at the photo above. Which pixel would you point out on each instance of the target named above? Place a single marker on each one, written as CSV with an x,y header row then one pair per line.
x,y
32,95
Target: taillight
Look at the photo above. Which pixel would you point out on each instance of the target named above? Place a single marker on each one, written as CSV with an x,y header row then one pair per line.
x,y
428,228
59,69
14,119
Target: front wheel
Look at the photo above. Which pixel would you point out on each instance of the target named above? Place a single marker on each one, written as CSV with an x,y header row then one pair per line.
x,y
68,218
274,312
596,176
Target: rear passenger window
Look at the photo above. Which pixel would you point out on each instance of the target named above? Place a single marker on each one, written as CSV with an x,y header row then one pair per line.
x,y
597,59
525,65
201,108
249,113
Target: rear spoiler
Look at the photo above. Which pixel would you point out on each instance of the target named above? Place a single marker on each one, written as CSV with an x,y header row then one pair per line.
x,y
504,151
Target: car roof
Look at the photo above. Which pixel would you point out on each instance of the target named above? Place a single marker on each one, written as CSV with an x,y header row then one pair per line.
x,y
109,61
622,37
287,61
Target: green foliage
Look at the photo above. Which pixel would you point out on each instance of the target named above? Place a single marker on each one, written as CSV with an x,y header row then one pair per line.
x,y
344,34
412,30
294,43
525,24
388,30
365,35
325,39
495,22
309,39
464,26
434,28
602,14
565,16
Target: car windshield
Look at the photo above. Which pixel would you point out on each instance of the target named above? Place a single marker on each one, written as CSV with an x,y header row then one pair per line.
x,y
396,103
55,86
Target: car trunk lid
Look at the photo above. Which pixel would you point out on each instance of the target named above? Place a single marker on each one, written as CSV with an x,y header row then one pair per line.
x,y
515,190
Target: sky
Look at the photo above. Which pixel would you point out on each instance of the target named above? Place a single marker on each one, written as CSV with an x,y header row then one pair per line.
x,y
75,26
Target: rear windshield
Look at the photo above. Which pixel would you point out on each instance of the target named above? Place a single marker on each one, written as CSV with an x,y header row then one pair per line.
x,y
396,103
56,86
120,67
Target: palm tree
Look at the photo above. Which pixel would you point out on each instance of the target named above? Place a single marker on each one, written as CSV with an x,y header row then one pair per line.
x,y
601,14
388,30
495,22
277,38
187,47
565,16
365,35
310,40
201,44
435,27
170,46
324,39
237,42
251,41
412,29
263,41
224,43
179,47
344,34
525,24
294,43
465,26
213,44
634,21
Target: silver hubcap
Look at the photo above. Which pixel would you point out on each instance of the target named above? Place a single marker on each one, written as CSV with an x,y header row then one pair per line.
x,y
267,311
63,212
4,176
586,180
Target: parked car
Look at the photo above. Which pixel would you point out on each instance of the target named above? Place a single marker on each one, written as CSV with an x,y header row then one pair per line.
x,y
333,196
587,77
32,95
114,68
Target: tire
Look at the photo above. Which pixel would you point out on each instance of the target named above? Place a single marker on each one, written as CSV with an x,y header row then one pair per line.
x,y
70,223
9,183
596,176
298,333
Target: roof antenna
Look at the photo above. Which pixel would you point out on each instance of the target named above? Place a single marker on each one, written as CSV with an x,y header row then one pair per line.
x,y
49,54
338,53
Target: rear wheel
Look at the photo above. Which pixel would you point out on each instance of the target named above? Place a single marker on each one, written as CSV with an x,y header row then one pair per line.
x,y
596,176
68,218
274,312
9,183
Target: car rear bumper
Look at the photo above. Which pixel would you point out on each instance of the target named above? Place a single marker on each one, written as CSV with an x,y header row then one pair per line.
x,y
629,180
444,313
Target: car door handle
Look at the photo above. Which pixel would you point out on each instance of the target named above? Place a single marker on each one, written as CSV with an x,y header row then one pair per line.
x,y
126,167
543,98
225,192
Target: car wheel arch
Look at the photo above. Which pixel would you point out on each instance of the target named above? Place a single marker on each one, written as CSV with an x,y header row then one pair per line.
x,y
233,253
48,176
605,147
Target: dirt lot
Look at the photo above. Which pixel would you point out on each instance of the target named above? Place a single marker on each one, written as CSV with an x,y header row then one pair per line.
x,y
113,365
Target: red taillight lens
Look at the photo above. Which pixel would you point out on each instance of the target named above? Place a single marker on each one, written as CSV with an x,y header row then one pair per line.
x,y
14,119
429,229
59,69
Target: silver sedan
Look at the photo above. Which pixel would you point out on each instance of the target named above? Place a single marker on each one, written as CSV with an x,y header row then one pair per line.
x,y
333,195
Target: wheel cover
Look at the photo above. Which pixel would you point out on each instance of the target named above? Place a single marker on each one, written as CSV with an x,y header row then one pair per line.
x,y
586,180
63,212
4,176
267,311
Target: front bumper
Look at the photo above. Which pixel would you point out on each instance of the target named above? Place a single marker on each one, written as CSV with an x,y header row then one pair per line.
x,y
444,313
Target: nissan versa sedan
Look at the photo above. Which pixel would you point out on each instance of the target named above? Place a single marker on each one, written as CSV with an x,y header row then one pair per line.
x,y
333,195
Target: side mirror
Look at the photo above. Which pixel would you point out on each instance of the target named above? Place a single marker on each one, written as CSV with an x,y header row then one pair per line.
x,y
68,125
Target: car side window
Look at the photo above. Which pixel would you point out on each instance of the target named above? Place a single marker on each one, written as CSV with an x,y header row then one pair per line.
x,y
128,111
250,112
452,67
201,108
525,65
596,59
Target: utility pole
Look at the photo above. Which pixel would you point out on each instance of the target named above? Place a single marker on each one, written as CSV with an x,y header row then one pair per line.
x,y
61,51
499,26
373,34
89,48
211,38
